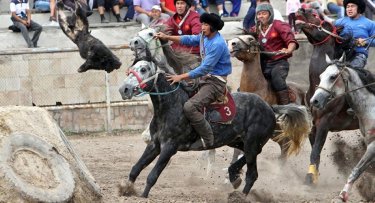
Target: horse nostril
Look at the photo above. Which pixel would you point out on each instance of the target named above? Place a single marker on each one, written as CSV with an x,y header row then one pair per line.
x,y
126,89
234,43
136,42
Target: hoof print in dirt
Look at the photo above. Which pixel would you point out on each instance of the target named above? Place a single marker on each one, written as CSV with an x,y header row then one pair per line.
x,y
237,196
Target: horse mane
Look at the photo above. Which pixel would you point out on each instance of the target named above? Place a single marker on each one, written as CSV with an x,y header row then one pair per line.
x,y
178,59
366,77
345,45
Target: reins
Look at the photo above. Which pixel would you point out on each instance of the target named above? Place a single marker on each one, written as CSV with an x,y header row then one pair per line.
x,y
256,49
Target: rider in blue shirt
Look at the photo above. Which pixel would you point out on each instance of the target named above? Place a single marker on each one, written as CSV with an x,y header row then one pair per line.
x,y
215,67
360,27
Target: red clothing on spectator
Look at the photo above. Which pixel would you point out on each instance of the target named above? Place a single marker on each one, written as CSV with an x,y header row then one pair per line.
x,y
169,4
278,36
191,26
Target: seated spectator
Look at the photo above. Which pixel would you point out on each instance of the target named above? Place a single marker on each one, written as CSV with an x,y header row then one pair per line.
x,y
249,20
236,5
184,22
336,7
46,6
219,5
143,11
130,13
21,17
156,17
167,6
106,5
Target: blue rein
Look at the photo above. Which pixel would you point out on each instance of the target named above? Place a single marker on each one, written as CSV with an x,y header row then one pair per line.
x,y
157,93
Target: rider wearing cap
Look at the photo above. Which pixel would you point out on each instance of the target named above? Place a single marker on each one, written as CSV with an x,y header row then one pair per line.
x,y
275,36
215,66
184,22
360,28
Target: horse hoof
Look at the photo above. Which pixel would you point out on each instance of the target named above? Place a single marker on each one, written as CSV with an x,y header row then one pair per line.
x,y
236,183
126,188
344,196
309,179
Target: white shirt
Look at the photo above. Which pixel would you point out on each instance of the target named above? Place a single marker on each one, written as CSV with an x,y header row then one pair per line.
x,y
19,6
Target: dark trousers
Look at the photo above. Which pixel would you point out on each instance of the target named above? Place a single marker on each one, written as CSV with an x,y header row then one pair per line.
x,y
292,21
33,42
210,89
249,20
276,72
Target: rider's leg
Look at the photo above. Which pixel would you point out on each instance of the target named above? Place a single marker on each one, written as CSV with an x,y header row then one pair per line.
x,y
279,73
359,61
211,89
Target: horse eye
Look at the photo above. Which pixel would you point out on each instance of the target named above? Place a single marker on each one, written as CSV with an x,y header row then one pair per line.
x,y
151,34
143,70
333,77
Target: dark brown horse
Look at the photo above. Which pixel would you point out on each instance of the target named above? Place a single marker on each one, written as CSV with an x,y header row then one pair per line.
x,y
246,49
322,35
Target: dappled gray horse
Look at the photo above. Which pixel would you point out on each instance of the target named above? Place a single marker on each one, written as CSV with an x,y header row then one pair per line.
x,y
358,87
251,128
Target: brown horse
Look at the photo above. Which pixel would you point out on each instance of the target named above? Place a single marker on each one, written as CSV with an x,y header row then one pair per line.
x,y
246,49
322,35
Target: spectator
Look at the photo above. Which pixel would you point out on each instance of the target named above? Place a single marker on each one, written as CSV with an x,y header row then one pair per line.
x,y
130,13
184,22
370,8
202,7
236,5
167,6
143,11
292,7
336,7
219,6
156,16
103,5
21,17
249,20
45,6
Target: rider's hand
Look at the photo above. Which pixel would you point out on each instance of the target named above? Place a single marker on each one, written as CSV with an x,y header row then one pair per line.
x,y
174,78
361,42
161,36
285,51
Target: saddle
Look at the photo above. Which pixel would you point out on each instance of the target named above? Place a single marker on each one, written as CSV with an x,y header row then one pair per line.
x,y
221,111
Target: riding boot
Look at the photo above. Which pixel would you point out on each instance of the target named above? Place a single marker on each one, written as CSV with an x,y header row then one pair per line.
x,y
204,130
283,97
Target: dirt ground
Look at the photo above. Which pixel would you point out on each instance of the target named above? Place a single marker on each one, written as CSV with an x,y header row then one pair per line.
x,y
110,158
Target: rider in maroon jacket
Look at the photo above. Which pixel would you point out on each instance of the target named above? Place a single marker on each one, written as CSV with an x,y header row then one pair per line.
x,y
184,22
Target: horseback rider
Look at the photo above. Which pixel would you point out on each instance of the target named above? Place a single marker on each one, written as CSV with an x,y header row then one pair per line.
x,y
275,36
361,28
215,67
184,22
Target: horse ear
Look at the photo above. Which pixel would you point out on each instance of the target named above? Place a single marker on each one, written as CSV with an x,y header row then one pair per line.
x,y
343,58
328,60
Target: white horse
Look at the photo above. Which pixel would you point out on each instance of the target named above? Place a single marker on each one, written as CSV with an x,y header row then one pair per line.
x,y
358,86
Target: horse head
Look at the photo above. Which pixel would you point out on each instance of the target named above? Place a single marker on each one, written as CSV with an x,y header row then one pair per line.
x,y
332,82
145,44
316,29
139,78
244,47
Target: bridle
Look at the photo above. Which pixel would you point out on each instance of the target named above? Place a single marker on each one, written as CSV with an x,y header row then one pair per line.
x,y
254,48
347,91
147,43
142,84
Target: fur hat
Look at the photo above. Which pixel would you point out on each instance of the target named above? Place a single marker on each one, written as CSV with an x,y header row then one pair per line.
x,y
266,7
360,3
213,20
188,2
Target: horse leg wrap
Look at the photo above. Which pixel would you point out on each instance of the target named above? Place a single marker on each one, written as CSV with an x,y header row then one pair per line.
x,y
314,172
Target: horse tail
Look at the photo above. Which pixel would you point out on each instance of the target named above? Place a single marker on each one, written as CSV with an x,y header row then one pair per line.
x,y
295,123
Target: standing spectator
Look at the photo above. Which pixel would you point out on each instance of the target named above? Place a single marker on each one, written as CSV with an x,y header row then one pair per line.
x,y
45,6
249,20
184,22
292,7
156,16
21,17
103,5
336,7
143,11
130,13
167,6
236,5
